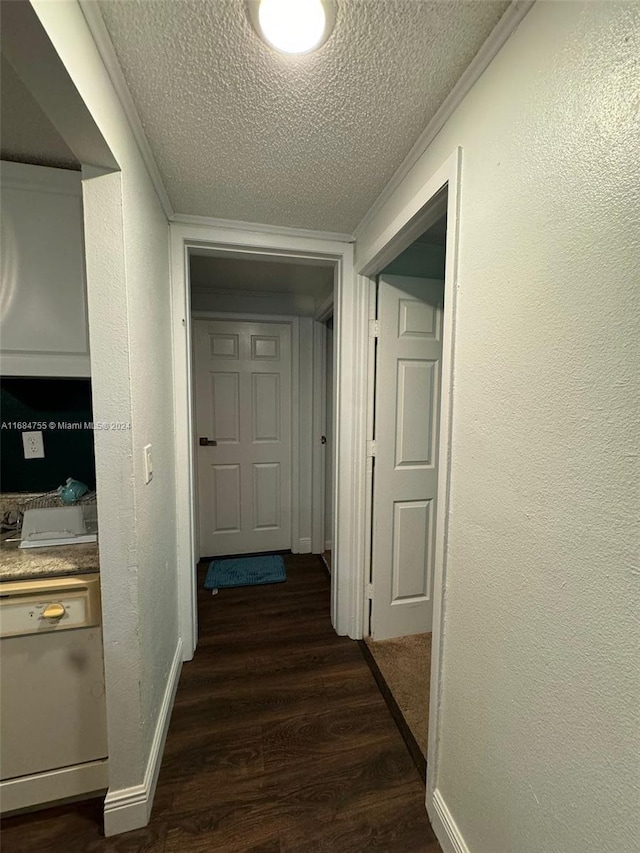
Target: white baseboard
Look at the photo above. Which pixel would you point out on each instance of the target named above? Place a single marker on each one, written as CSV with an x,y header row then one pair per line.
x,y
328,545
444,826
304,546
130,808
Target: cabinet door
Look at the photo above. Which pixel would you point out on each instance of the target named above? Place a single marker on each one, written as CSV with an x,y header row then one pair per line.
x,y
43,311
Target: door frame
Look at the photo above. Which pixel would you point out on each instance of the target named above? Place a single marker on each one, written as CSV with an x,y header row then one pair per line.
x,y
294,325
245,239
318,516
415,217
319,415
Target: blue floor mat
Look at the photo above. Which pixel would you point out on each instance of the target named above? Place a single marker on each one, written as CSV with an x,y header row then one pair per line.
x,y
245,571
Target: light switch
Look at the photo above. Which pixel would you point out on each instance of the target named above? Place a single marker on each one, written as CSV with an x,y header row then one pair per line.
x,y
33,445
148,464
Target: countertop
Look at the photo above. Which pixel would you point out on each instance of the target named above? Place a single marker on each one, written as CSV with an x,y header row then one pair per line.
x,y
26,563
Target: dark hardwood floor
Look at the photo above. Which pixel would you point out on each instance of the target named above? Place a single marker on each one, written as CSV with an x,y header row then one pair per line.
x,y
280,742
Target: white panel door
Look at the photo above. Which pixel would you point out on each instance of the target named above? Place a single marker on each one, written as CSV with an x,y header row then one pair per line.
x,y
408,363
243,403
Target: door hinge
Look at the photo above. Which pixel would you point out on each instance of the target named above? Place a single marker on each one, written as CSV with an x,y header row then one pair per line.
x,y
369,591
374,328
371,448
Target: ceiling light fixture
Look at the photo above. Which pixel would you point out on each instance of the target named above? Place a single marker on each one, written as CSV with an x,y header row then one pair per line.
x,y
293,26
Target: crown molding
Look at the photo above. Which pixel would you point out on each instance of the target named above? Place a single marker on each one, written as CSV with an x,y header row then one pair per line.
x,y
257,227
91,11
512,17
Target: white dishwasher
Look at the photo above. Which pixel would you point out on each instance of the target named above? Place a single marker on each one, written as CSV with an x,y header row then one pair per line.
x,y
52,703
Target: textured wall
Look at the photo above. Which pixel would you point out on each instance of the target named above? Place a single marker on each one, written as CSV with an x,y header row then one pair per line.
x,y
540,734
129,322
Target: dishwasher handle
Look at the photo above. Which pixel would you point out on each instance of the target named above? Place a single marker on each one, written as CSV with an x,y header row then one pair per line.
x,y
54,611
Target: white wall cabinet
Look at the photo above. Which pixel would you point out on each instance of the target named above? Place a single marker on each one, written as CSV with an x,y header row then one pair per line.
x,y
43,302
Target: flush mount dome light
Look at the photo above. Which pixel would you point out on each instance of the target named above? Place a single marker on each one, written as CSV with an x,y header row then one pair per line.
x,y
293,26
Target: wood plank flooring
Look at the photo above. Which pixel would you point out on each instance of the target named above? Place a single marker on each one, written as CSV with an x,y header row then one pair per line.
x,y
280,742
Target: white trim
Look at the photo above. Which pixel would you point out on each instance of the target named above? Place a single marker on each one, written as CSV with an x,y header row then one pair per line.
x,y
258,227
130,808
245,238
304,545
418,210
351,337
415,217
368,508
445,827
182,238
93,17
325,309
319,426
454,165
184,429
512,17
328,545
295,435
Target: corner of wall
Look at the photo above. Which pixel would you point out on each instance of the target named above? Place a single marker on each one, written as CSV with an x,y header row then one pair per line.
x,y
130,808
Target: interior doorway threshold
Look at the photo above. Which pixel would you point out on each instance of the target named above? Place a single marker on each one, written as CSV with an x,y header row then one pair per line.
x,y
407,735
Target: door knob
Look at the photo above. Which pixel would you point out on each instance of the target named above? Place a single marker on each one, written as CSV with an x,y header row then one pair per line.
x,y
208,442
53,611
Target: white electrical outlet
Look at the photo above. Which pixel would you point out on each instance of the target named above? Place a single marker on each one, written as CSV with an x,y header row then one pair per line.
x,y
33,445
148,464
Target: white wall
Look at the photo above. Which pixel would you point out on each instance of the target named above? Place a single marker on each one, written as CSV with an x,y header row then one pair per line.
x,y
130,334
540,735
252,303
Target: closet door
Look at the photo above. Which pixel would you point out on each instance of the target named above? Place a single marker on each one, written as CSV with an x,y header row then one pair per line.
x,y
243,419
408,361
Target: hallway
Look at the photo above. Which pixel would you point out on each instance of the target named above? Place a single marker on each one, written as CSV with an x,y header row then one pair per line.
x,y
280,742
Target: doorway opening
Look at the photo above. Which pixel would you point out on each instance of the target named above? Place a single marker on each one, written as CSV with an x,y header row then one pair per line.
x,y
406,419
257,326
409,264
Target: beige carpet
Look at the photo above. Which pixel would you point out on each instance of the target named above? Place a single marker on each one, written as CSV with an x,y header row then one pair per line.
x,y
405,663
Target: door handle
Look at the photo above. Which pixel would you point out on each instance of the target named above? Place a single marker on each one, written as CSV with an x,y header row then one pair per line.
x,y
323,439
208,442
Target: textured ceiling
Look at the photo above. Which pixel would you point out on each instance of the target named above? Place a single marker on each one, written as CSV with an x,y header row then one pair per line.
x,y
227,274
241,132
27,135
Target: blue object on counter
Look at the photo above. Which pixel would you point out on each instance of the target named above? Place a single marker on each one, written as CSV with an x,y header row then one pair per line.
x,y
72,491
